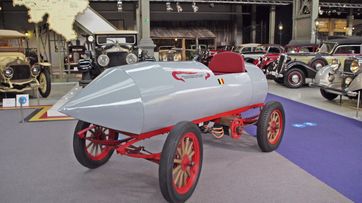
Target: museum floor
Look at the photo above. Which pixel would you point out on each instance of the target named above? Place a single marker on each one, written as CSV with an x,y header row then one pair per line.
x,y
318,161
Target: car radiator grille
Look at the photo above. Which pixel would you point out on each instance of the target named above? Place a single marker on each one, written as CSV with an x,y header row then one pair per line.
x,y
117,58
347,65
21,72
280,63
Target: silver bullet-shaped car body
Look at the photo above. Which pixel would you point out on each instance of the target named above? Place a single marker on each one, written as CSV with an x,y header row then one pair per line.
x,y
147,96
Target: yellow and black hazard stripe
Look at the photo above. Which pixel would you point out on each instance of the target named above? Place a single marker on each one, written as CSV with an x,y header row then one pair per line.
x,y
221,81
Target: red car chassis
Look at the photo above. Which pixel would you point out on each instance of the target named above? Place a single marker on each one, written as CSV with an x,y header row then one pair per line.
x,y
181,157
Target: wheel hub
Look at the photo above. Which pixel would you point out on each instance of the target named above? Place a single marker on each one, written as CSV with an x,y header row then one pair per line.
x,y
295,78
185,162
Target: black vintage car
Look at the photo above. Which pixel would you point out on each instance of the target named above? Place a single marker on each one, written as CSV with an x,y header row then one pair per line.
x,y
109,49
292,69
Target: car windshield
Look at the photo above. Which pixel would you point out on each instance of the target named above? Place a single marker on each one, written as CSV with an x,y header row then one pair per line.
x,y
326,48
9,45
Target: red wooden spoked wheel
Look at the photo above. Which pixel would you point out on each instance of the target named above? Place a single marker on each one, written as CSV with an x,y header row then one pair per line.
x,y
88,151
181,162
274,127
271,125
186,163
94,150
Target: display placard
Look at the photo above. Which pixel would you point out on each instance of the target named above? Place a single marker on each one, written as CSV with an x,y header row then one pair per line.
x,y
8,102
22,99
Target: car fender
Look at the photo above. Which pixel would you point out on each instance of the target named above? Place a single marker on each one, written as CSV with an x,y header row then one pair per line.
x,y
356,84
309,72
45,64
318,57
321,78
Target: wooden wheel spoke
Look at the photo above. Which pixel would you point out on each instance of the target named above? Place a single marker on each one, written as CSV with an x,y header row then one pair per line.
x,y
181,178
178,176
89,144
187,146
177,161
191,154
188,171
190,148
184,180
183,147
176,170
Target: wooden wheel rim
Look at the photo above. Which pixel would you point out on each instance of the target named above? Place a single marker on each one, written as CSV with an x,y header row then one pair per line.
x,y
42,82
275,126
98,152
186,163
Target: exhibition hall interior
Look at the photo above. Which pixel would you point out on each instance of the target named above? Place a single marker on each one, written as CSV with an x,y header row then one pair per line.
x,y
180,101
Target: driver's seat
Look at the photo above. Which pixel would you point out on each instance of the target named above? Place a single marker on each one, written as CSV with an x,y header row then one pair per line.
x,y
227,62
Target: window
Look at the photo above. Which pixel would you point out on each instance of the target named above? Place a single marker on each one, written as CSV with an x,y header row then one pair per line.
x,y
348,50
274,50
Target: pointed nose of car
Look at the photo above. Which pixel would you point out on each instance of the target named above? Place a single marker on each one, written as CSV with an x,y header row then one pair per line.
x,y
112,100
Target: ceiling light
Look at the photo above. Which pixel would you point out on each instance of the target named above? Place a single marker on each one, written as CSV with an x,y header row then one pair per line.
x,y
320,11
179,8
168,7
195,7
212,5
119,6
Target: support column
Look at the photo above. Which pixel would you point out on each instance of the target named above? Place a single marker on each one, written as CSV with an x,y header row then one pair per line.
x,y
138,21
314,17
253,23
272,24
146,42
238,26
350,22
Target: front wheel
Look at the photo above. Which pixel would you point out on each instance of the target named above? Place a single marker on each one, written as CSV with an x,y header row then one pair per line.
x,y
294,78
88,151
44,83
271,125
181,162
329,96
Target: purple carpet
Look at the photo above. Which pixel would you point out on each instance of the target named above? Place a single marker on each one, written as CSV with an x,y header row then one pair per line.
x,y
324,144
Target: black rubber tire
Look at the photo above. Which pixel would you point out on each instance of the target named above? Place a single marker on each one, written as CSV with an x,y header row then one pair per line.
x,y
279,80
327,95
318,61
46,74
80,151
289,73
167,161
263,125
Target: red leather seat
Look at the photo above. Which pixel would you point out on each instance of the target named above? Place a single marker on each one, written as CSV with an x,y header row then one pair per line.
x,y
227,62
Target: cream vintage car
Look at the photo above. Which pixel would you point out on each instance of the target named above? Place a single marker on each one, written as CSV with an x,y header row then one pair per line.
x,y
329,51
19,73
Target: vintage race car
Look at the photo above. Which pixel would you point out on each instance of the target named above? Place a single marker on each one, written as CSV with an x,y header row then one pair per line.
x,y
19,73
128,104
338,79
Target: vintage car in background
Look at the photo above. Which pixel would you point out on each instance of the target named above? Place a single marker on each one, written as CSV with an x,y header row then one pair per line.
x,y
169,53
294,47
338,79
76,52
108,49
258,51
293,69
19,73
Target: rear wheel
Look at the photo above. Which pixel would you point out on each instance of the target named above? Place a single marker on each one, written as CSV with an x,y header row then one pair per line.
x,y
271,125
318,64
88,152
294,78
329,96
181,162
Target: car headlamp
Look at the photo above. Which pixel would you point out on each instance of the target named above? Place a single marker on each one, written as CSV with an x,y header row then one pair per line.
x,y
335,61
103,60
35,70
131,58
90,38
335,67
8,72
354,67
